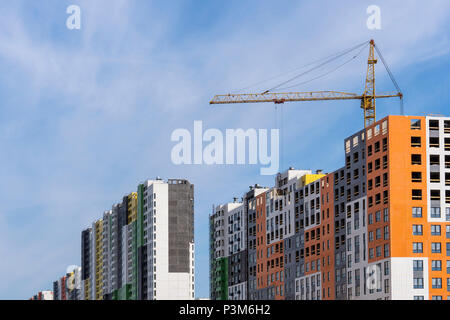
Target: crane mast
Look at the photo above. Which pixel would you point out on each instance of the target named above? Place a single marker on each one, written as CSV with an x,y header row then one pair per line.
x,y
368,100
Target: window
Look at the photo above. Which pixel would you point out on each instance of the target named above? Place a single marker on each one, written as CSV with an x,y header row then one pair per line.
x,y
416,159
417,212
415,142
378,216
377,164
417,265
436,265
435,247
417,230
416,176
435,212
386,268
386,250
434,159
435,177
447,231
417,194
418,283
436,283
418,298
435,230
415,124
377,146
384,127
376,130
448,249
385,142
386,233
434,142
446,126
378,234
386,215
417,247
434,124
436,298
435,195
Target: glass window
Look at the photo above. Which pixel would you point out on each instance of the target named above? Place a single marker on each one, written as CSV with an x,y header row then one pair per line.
x,y
386,215
386,268
418,265
436,247
435,230
435,212
436,265
417,247
436,283
378,216
417,212
418,283
417,230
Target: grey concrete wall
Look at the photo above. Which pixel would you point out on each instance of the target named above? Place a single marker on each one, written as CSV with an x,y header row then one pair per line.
x,y
181,224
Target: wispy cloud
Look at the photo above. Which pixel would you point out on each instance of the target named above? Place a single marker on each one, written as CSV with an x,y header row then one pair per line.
x,y
88,114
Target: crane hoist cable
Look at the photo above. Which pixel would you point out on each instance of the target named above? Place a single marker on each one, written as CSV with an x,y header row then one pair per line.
x,y
331,57
326,73
317,67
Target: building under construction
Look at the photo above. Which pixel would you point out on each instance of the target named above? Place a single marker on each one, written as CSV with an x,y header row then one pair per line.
x,y
377,228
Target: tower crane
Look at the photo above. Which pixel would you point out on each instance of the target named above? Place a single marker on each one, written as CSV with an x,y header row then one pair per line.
x,y
367,98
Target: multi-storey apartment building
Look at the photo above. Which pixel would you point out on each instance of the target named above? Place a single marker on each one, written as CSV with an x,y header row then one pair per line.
x,y
68,287
226,281
377,228
43,295
143,248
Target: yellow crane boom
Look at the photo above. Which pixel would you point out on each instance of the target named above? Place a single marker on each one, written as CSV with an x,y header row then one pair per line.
x,y
279,98
367,98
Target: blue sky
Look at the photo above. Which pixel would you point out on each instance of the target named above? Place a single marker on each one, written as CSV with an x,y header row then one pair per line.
x,y
87,114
